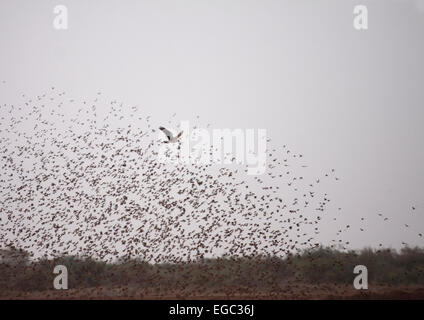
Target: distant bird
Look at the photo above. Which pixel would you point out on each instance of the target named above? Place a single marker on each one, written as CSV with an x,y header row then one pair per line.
x,y
170,136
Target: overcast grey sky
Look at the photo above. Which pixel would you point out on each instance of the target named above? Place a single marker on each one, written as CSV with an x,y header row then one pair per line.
x,y
346,99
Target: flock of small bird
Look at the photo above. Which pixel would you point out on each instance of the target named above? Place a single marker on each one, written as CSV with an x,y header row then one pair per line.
x,y
82,177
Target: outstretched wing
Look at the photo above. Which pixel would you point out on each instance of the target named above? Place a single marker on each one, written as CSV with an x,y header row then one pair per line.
x,y
166,132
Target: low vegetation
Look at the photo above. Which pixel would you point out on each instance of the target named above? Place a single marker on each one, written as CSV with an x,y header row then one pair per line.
x,y
317,266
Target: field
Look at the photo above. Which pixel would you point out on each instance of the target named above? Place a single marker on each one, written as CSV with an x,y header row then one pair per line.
x,y
325,291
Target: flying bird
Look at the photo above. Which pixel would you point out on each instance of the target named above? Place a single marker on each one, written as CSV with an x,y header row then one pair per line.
x,y
170,136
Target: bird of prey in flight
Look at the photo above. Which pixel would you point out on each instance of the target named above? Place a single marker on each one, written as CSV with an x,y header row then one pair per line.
x,y
170,136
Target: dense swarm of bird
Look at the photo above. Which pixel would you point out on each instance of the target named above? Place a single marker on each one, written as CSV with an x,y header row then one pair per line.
x,y
79,180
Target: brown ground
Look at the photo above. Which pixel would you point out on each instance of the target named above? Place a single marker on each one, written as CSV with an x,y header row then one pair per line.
x,y
299,292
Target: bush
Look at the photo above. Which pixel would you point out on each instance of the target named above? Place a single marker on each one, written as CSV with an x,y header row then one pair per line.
x,y
316,266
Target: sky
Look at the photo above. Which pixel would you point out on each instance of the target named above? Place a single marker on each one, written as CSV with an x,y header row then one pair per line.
x,y
346,99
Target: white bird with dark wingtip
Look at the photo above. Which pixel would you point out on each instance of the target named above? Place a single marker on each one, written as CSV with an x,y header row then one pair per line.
x,y
170,136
